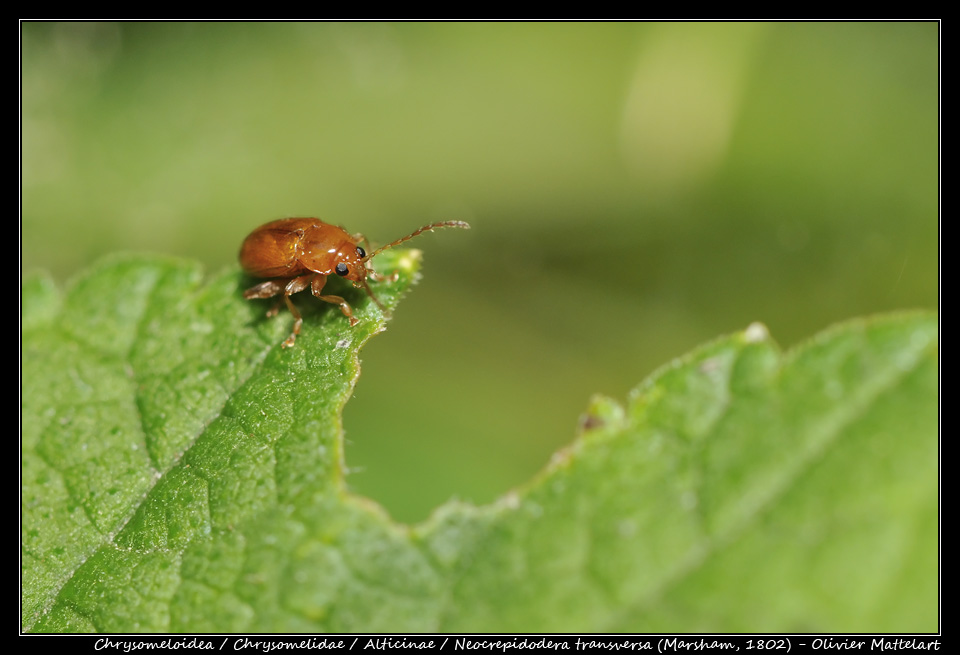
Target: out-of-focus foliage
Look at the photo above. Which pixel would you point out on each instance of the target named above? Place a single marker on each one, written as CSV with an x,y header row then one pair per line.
x,y
634,189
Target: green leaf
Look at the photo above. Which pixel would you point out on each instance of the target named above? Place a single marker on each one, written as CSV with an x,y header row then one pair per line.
x,y
182,472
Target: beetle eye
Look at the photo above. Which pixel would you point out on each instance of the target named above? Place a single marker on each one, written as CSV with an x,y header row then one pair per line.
x,y
341,269
361,252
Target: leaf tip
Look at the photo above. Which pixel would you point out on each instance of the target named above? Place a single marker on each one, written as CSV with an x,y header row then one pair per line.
x,y
409,260
602,412
756,332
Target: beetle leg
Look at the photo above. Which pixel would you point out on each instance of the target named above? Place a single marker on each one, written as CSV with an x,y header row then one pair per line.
x,y
360,238
298,284
267,289
295,285
379,277
298,321
316,287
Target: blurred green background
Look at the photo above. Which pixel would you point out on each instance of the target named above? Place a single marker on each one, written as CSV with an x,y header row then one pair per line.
x,y
634,189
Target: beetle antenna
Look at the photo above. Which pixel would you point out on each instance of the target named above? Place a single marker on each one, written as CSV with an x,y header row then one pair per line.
x,y
425,228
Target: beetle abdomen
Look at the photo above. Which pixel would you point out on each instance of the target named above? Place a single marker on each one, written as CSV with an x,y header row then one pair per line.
x,y
271,250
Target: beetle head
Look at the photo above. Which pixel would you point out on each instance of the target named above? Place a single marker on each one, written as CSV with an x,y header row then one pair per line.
x,y
357,273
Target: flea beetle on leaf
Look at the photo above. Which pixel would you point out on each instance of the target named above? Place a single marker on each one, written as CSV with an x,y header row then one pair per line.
x,y
301,252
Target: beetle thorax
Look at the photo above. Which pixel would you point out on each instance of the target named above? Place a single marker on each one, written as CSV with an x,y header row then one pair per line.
x,y
322,250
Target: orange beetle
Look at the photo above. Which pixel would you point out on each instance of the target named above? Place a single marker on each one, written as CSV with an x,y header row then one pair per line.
x,y
302,252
